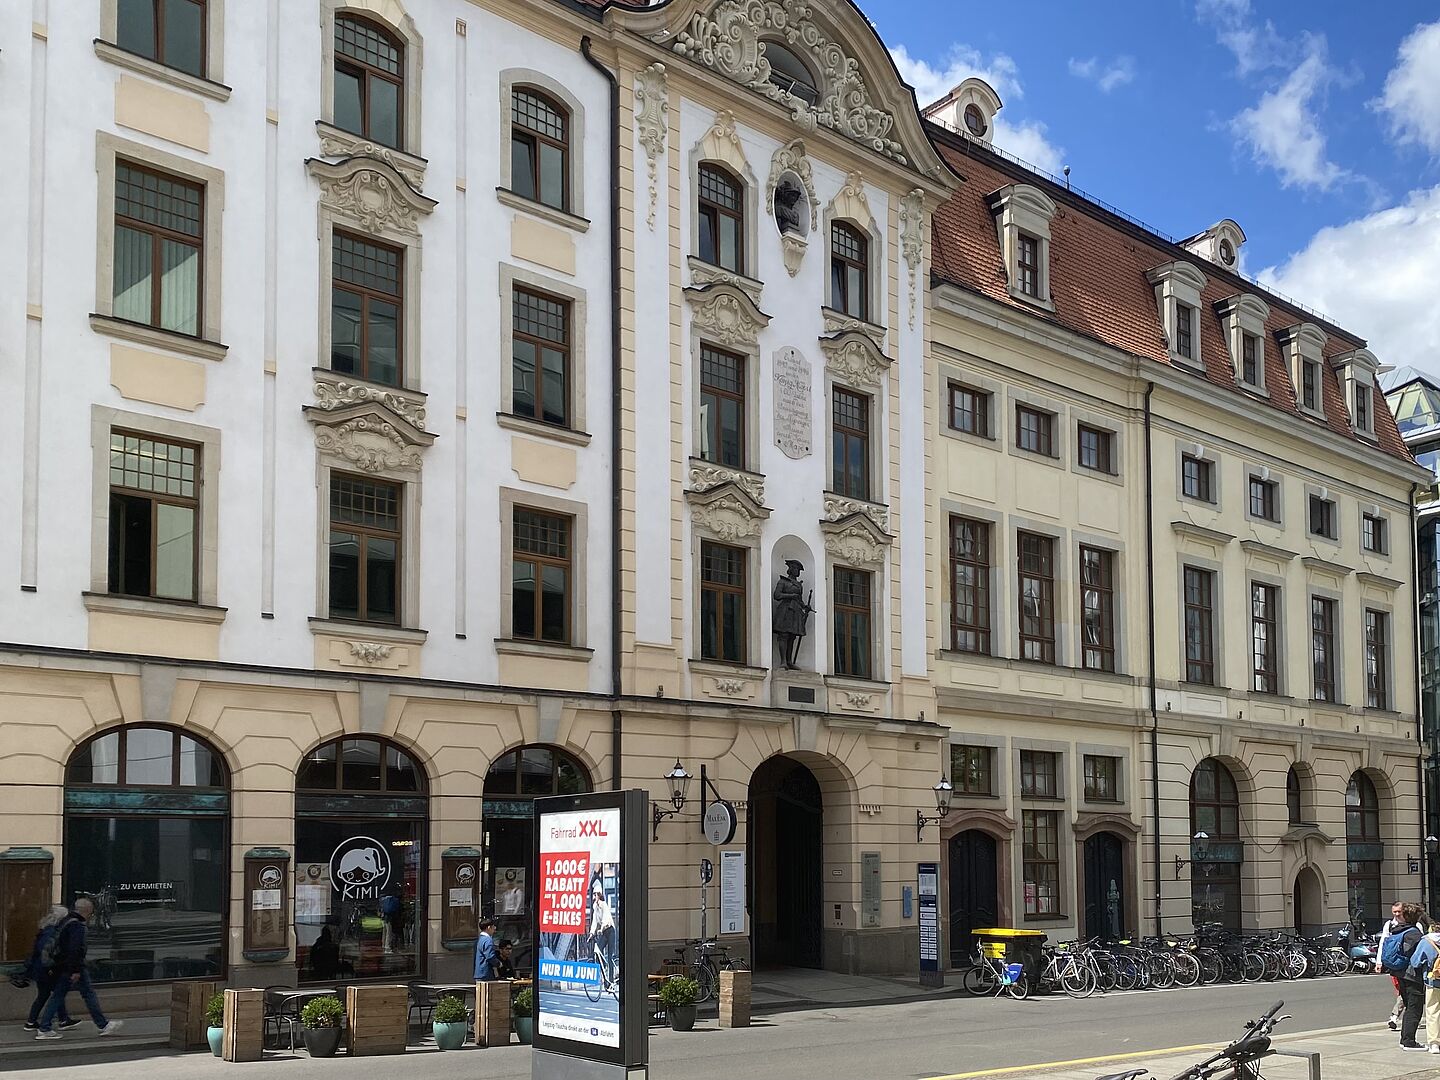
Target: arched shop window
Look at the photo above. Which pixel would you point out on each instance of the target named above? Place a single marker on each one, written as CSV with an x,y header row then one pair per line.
x,y
512,783
1215,865
1364,852
147,813
361,816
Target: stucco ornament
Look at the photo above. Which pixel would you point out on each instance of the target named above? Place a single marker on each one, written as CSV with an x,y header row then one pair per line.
x,y
729,40
652,119
793,247
838,508
370,652
857,700
726,316
855,543
371,194
837,322
370,444
335,143
705,475
791,159
912,239
731,687
728,517
856,360
331,396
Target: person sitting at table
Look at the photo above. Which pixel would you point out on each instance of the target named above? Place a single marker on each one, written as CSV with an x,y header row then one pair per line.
x,y
325,956
503,967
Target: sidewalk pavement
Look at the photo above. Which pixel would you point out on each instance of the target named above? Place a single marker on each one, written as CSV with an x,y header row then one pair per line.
x,y
136,1033
1360,1053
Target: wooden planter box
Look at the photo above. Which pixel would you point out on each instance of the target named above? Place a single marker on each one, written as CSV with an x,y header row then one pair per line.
x,y
377,1020
492,1014
187,1014
734,999
244,1025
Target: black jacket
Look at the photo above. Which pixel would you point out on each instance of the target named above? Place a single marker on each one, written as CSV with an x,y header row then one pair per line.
x,y
70,951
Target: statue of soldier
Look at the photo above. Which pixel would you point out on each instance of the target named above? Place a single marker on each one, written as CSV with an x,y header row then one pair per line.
x,y
792,612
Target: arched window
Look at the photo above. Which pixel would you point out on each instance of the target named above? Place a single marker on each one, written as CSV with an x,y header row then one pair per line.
x,y
1294,810
539,148
849,270
722,219
369,80
146,823
361,817
1215,864
1364,851
515,779
789,73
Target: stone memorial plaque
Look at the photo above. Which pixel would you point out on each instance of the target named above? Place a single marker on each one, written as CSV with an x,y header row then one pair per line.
x,y
792,403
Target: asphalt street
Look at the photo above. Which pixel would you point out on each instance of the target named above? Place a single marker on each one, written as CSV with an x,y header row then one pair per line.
x,y
912,1041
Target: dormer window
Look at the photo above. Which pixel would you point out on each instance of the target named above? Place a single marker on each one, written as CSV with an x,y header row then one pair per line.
x,y
1362,408
790,74
1022,219
1178,287
1356,371
1243,320
1310,385
1249,359
1304,347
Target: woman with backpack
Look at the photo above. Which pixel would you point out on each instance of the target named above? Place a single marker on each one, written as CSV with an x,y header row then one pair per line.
x,y
1426,964
41,967
1396,957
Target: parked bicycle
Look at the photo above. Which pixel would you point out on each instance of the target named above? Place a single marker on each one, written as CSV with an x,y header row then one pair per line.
x,y
1238,1061
710,959
992,975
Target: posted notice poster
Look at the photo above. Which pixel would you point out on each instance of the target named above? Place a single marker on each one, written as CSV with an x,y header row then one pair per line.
x,y
732,892
578,920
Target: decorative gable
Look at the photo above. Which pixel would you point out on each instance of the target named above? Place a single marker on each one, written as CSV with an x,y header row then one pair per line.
x,y
369,428
728,512
1356,371
1178,287
1304,348
371,193
726,315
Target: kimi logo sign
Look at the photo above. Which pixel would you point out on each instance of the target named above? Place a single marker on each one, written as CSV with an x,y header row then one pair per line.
x,y
270,877
465,873
359,868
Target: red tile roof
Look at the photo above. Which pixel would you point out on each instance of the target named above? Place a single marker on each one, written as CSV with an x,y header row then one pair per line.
x,y
1098,285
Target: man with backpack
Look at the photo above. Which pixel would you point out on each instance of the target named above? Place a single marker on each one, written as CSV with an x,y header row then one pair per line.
x,y
1395,958
70,974
39,969
1391,925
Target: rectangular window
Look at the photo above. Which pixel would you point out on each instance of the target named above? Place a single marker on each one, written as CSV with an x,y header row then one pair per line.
x,y
1184,330
722,407
970,771
1372,533
1199,626
850,437
1041,836
1250,359
1310,385
159,249
1036,564
1377,660
541,576
970,585
1096,448
541,333
1265,656
1197,478
1097,608
366,297
1101,778
1262,499
722,603
365,537
1035,430
849,270
1322,517
154,517
1028,265
852,623
1362,407
969,410
1322,647
1038,770
170,32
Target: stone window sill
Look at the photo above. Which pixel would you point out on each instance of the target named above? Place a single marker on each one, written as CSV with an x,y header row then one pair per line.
x,y
157,338
551,650
115,604
398,635
545,431
725,667
538,209
112,53
1032,301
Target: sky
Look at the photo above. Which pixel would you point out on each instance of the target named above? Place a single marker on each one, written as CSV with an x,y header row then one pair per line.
x,y
1314,125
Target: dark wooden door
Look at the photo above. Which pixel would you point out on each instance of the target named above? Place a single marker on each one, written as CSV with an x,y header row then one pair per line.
x,y
1105,886
974,891
798,862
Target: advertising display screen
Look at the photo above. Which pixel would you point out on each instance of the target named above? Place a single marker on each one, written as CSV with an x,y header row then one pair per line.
x,y
583,902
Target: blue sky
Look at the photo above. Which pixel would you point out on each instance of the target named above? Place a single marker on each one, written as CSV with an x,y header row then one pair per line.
x,y
1316,126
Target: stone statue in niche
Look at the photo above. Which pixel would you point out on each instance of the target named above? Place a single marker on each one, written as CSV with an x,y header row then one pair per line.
x,y
792,612
788,203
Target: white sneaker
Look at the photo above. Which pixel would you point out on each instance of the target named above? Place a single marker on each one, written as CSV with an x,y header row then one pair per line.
x,y
112,1027
1434,1048
43,1035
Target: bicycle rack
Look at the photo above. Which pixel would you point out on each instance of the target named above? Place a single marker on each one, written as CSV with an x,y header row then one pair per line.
x,y
1313,1056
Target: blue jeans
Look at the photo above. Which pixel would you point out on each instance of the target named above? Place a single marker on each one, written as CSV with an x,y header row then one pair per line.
x,y
44,987
63,986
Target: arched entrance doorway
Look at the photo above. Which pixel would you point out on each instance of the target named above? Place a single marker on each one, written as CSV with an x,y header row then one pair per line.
x,y
146,821
512,784
1364,852
1306,898
974,890
361,817
1105,886
785,841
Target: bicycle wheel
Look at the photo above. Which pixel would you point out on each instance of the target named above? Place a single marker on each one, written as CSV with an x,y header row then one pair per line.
x,y
1211,969
1077,979
705,975
594,991
1019,990
1128,975
1293,964
1187,969
1105,973
1254,969
979,980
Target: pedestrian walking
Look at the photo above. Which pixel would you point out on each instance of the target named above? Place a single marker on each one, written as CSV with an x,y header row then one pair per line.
x,y
1397,957
1426,964
70,973
40,969
1391,924
485,951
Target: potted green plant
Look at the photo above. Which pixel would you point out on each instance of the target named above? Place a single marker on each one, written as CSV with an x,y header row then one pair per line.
x,y
450,1023
677,995
523,1009
215,1018
322,1018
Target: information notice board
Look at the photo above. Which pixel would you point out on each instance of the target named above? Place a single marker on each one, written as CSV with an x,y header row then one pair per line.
x,y
928,894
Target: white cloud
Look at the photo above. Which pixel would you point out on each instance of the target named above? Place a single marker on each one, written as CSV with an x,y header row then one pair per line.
x,y
1411,101
1118,72
1025,139
1256,46
1376,276
1282,130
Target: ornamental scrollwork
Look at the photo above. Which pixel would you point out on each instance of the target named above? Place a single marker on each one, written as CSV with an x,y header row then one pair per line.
x,y
652,118
857,700
912,239
728,40
838,508
728,518
855,544
369,444
855,360
731,687
331,396
370,652
371,194
791,159
793,247
339,144
704,476
726,316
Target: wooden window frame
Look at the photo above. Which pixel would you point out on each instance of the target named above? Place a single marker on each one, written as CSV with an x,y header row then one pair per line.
x,y
1362,810
538,561
1327,522
711,425
962,756
1377,659
1261,498
1294,798
1027,264
1197,478
1372,534
842,303
158,44
567,349
366,71
1100,457
1039,774
532,140
1043,429
1264,628
1310,385
1199,604
713,211
842,435
980,563
122,760
362,583
422,779
158,234
978,411
155,499
1249,359
1040,850
1102,778
1184,330
1362,406
1322,648
1099,592
366,294
854,624
721,589
1035,560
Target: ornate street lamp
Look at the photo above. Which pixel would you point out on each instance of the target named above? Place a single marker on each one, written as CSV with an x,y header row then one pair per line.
x,y
1200,845
678,780
942,807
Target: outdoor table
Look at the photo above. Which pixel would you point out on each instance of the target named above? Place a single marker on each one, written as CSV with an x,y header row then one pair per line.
x,y
424,996
283,1006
